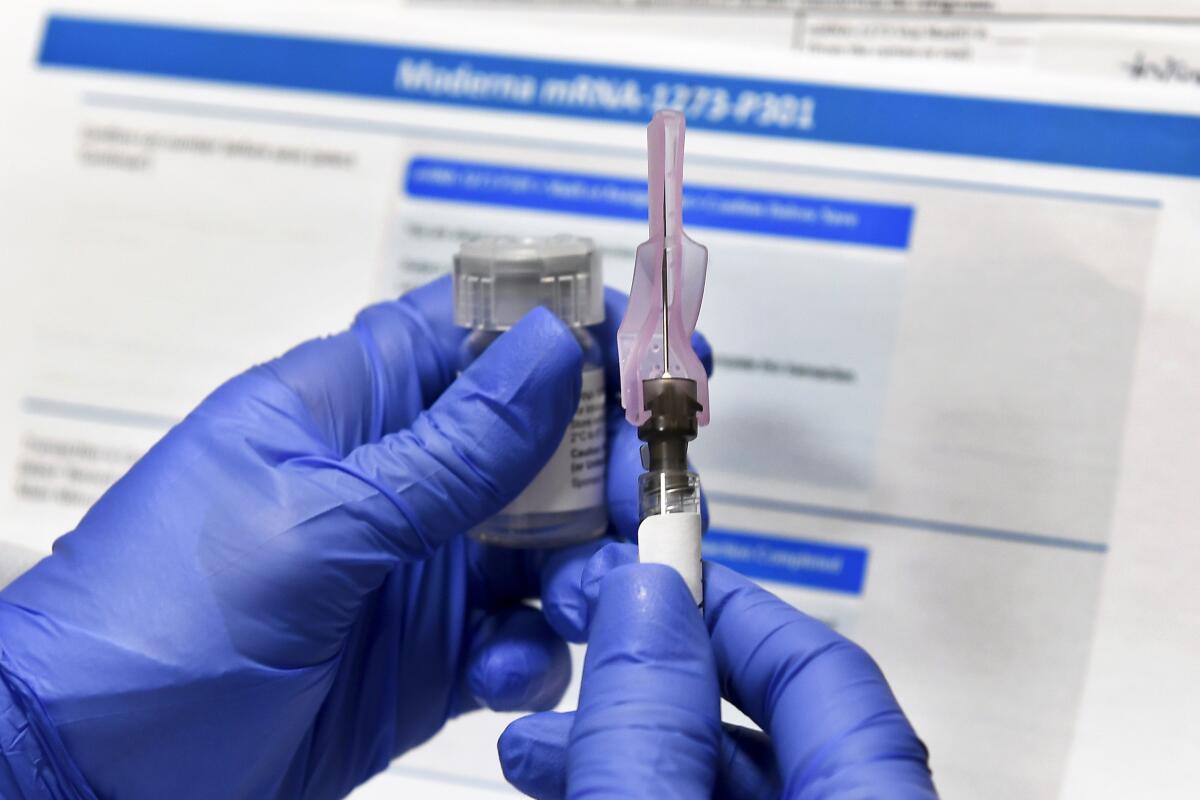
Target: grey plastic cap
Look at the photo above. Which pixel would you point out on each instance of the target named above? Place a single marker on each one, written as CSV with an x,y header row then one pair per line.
x,y
499,279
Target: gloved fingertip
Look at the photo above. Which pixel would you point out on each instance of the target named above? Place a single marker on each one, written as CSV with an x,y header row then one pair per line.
x,y
563,602
542,319
603,562
615,303
653,590
648,722
624,467
437,293
703,351
567,615
543,332
748,766
481,443
523,665
539,345
533,754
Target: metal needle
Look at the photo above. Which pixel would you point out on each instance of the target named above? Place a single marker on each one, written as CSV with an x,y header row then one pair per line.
x,y
665,346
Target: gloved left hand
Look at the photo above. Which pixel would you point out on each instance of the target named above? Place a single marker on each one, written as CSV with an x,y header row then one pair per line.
x,y
277,600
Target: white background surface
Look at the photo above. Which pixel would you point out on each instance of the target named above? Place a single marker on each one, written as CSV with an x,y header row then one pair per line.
x,y
1126,627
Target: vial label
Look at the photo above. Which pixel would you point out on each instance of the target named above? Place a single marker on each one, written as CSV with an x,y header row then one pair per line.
x,y
573,479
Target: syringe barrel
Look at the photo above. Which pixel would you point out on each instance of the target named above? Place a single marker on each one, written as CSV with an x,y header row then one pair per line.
x,y
676,492
672,526
669,492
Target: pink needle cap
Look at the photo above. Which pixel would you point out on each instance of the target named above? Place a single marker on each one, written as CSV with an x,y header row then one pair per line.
x,y
655,337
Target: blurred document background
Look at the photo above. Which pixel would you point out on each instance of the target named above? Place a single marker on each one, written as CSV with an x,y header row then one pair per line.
x,y
1152,41
953,295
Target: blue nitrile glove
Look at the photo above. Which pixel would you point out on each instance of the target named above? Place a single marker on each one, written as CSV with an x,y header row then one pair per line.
x,y
276,600
832,727
649,718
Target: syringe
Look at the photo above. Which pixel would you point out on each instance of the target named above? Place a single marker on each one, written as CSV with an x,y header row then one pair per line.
x,y
664,387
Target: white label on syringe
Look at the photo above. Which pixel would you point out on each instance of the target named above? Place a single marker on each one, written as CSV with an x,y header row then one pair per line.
x,y
573,479
674,540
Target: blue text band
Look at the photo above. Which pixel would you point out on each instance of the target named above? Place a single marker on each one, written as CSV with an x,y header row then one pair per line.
x,y
796,216
972,126
836,568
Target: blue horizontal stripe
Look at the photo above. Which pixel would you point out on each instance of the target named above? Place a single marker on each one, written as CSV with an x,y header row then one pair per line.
x,y
65,409
835,568
874,224
912,523
971,126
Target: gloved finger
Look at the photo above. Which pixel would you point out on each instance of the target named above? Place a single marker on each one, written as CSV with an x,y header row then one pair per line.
x,y
748,769
570,585
503,576
571,581
498,577
603,562
516,662
821,698
621,482
533,755
466,457
615,302
648,723
563,602
704,351
395,360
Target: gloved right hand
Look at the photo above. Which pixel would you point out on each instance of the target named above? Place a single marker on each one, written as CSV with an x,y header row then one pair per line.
x,y
647,719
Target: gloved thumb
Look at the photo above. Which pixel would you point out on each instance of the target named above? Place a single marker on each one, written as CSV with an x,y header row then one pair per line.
x,y
648,723
533,751
474,450
351,521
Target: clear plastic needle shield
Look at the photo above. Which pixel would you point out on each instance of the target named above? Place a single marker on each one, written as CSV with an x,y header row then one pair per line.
x,y
655,337
664,387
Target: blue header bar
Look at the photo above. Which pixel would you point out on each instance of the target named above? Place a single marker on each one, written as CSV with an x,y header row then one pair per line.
x,y
1040,132
835,568
794,216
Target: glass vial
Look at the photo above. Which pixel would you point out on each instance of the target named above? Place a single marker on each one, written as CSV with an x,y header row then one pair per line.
x,y
497,280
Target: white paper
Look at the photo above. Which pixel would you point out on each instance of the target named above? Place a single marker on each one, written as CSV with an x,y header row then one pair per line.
x,y
996,415
1145,43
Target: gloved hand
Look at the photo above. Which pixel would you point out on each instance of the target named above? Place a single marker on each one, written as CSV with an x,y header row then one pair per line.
x,y
276,600
647,719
